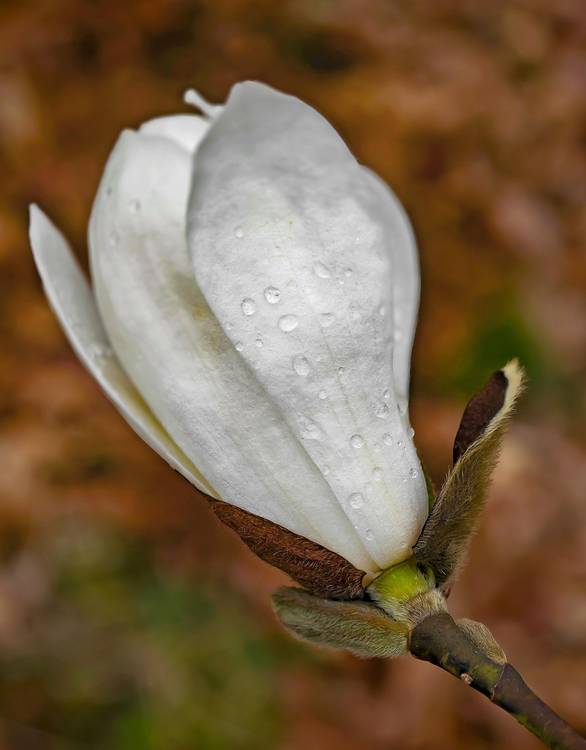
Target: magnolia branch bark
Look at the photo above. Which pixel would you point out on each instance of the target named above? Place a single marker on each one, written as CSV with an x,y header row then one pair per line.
x,y
439,640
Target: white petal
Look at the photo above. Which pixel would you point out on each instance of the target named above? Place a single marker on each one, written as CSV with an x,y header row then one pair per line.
x,y
180,359
74,304
185,130
278,202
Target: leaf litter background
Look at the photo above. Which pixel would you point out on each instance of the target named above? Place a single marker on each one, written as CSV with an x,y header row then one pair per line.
x,y
128,617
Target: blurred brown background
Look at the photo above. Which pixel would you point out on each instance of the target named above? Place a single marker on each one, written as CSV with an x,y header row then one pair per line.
x,y
128,617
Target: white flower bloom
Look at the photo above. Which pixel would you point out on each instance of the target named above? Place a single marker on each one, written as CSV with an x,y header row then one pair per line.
x,y
256,292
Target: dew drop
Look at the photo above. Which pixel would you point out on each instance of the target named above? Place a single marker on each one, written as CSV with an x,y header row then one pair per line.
x,y
301,365
381,310
369,535
326,320
325,470
272,295
239,233
288,323
347,272
400,443
322,395
239,346
357,441
387,395
413,473
248,306
228,326
377,474
258,340
381,411
321,270
356,500
341,371
388,438
134,206
309,430
411,432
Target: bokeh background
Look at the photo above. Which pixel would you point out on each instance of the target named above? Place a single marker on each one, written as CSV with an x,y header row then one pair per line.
x,y
128,618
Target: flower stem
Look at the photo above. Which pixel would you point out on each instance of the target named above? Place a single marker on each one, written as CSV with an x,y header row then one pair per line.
x,y
439,640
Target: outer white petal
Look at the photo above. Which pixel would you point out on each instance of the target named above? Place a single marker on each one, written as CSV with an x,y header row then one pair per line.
x,y
180,358
278,202
74,304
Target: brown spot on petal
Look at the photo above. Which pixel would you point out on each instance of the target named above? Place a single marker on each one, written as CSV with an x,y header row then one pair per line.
x,y
319,570
479,412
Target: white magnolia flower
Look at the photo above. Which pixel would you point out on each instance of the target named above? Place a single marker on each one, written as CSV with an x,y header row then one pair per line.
x,y
254,301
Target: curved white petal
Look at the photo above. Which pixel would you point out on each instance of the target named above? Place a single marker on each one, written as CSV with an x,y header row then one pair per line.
x,y
179,357
292,241
75,307
185,130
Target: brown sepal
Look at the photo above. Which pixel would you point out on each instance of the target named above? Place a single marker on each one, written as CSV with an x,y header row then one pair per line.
x,y
320,571
479,412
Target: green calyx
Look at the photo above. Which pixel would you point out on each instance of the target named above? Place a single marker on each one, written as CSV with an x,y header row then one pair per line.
x,y
395,588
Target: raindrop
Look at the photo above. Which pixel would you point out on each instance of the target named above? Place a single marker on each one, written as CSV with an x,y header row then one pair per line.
x,y
239,233
228,326
321,270
325,471
310,431
341,371
356,500
388,438
322,395
381,411
411,432
401,443
258,340
413,473
377,474
381,310
272,295
326,320
288,323
301,365
239,346
369,535
248,306
357,441
387,395
348,272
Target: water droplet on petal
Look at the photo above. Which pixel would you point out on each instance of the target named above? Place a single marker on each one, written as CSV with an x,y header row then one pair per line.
x,y
325,470
322,395
357,441
381,310
258,340
321,270
239,233
272,295
356,500
377,474
411,432
341,371
326,320
369,535
309,430
413,473
239,346
248,306
288,323
381,411
388,438
400,443
301,365
347,272
387,395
